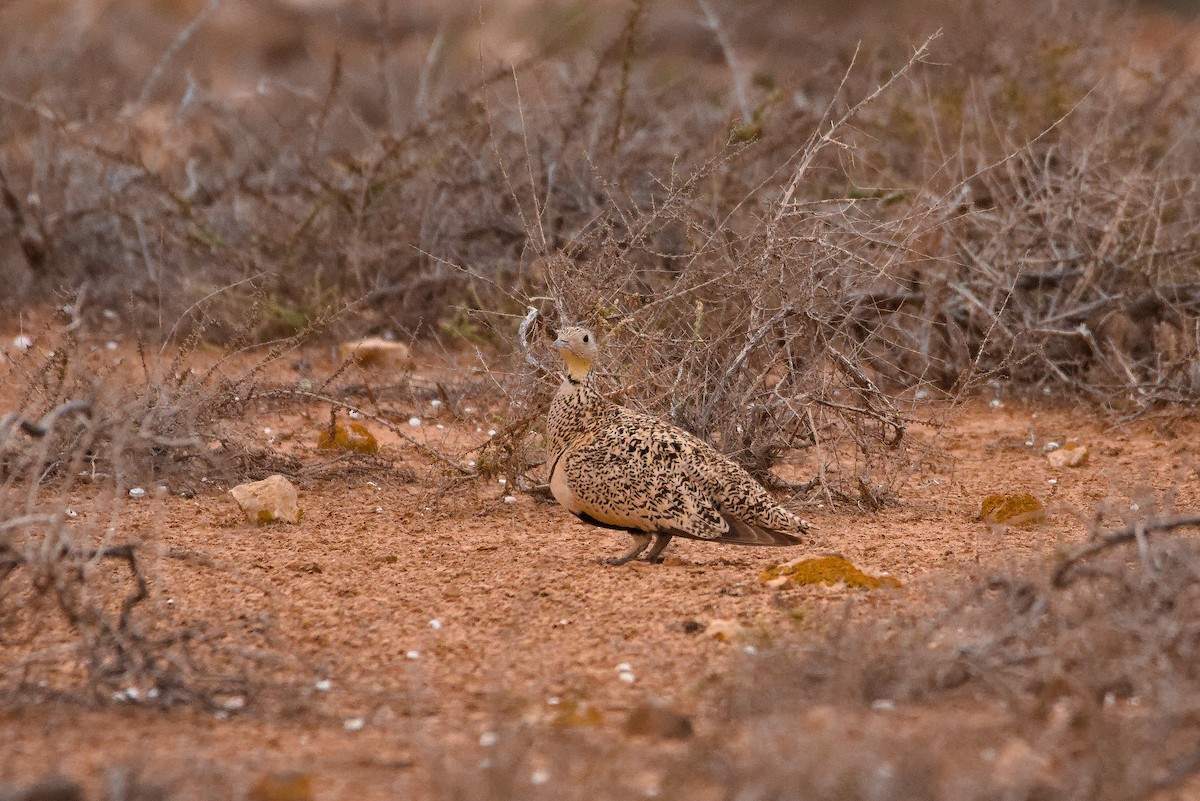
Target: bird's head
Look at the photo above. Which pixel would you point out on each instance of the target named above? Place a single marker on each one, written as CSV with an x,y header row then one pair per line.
x,y
578,348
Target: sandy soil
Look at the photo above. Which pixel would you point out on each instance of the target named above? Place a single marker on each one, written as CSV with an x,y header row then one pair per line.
x,y
436,609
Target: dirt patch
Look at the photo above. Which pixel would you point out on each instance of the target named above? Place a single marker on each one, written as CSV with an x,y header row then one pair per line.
x,y
413,620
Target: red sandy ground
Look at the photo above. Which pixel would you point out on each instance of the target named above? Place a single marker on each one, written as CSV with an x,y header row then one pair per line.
x,y
527,613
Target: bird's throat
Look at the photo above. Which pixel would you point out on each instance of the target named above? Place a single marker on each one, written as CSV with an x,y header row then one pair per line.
x,y
577,368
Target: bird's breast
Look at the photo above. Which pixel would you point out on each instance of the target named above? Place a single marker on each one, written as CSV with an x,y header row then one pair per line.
x,y
560,489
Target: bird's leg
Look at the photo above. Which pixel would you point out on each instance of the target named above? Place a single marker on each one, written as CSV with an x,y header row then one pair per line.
x,y
640,543
661,541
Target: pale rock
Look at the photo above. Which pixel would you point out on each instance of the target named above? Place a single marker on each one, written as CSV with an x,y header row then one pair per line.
x,y
269,500
1019,768
376,352
1068,456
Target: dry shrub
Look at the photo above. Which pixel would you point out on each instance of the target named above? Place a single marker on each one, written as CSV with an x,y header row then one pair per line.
x,y
1020,204
85,575
1056,670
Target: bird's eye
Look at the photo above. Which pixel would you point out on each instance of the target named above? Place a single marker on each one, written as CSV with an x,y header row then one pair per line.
x,y
585,337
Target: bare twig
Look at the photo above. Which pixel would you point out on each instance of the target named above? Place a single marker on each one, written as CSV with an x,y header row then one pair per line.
x,y
1134,532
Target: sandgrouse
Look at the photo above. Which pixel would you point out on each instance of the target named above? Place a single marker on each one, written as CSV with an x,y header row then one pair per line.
x,y
624,470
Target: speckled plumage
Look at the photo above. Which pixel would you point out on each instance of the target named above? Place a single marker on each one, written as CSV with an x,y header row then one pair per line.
x,y
622,469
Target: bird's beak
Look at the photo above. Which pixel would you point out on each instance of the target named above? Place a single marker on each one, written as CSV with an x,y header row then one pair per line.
x,y
560,343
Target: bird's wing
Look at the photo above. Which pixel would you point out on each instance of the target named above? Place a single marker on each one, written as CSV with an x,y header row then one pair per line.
x,y
628,477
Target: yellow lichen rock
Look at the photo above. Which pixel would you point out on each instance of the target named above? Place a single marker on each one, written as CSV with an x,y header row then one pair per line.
x,y
350,436
827,570
1016,509
282,787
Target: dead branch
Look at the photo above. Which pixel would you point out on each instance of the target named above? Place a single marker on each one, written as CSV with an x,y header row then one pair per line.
x,y
1134,532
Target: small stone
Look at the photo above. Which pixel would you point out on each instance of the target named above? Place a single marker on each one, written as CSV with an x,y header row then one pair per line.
x,y
1068,456
323,685
272,499
653,720
488,739
22,342
137,492
377,352
354,724
627,676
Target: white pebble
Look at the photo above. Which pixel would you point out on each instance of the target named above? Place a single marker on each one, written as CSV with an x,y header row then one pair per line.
x,y
267,430
1050,446
71,513
488,739
323,685
435,403
22,342
441,427
922,394
1133,507
995,403
234,703
354,724
540,776
353,415
553,700
503,481
378,510
110,345
627,677
509,499
883,705
137,492
414,421
624,667
491,432
471,463
750,650
1052,481
109,314
413,654
435,624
